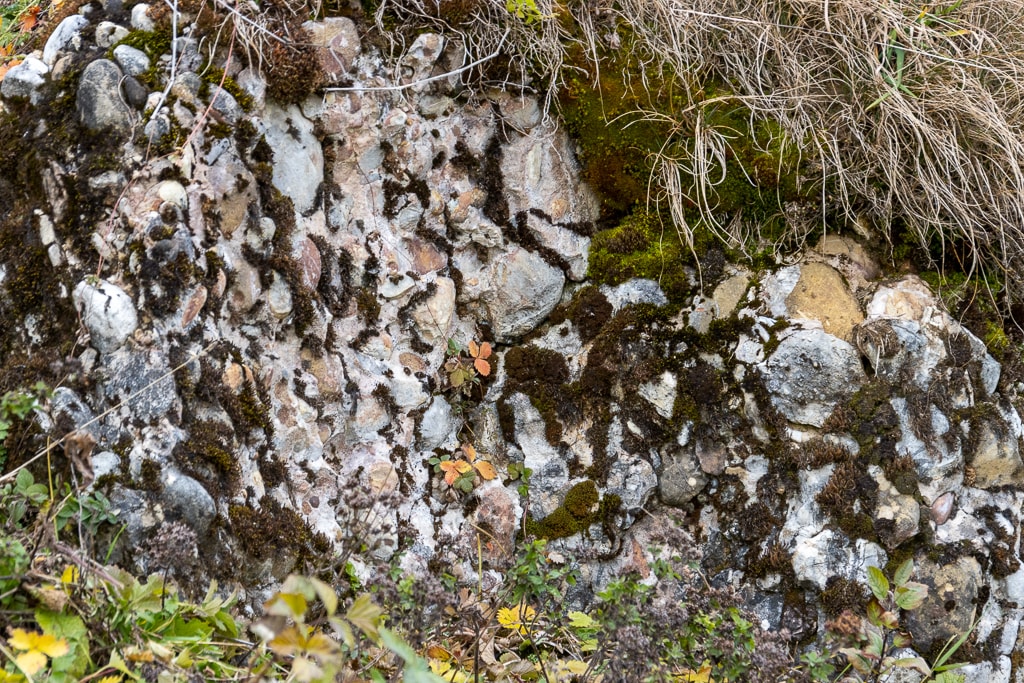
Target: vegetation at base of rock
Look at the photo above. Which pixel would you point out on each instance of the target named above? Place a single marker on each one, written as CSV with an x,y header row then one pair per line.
x,y
114,624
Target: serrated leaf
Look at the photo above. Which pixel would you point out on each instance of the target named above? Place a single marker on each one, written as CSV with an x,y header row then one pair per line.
x,y
345,631
875,646
290,605
889,620
874,611
365,615
904,572
901,640
288,642
326,594
482,366
581,620
911,596
877,582
486,470
857,660
322,646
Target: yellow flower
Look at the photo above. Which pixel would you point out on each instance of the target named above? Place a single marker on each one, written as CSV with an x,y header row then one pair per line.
x,y
37,647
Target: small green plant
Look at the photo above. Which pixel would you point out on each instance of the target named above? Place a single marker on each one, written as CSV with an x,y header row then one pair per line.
x,y
879,635
461,472
525,11
466,366
17,405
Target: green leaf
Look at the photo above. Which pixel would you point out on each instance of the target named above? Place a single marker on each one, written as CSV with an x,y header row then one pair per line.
x,y
911,595
581,620
904,572
916,663
345,631
326,595
71,628
365,615
416,670
878,584
876,644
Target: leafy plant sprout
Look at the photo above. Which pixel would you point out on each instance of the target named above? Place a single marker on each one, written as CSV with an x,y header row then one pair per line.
x,y
465,366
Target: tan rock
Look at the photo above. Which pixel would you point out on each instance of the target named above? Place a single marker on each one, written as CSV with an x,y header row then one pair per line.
x,y
850,258
434,317
820,294
729,293
426,258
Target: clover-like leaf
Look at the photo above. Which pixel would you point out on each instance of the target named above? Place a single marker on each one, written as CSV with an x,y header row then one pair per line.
x,y
35,647
480,354
453,468
486,470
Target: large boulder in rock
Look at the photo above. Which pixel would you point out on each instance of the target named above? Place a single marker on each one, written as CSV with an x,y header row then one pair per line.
x,y
810,373
101,106
522,290
107,312
951,605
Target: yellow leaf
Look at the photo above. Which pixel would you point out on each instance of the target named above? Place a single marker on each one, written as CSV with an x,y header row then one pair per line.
x,y
110,679
31,662
486,470
517,618
288,642
43,643
438,652
70,575
470,451
701,675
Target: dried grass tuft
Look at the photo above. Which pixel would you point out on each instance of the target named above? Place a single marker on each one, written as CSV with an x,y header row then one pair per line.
x,y
905,118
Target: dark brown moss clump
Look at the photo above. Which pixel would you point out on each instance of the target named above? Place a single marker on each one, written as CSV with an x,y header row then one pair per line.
x,y
293,70
273,528
209,455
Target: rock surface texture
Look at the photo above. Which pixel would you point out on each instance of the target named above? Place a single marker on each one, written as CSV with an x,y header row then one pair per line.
x,y
297,289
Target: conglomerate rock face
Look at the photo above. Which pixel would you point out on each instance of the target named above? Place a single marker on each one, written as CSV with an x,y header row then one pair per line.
x,y
274,314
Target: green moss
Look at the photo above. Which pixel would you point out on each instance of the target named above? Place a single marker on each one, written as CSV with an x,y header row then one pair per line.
x,y
582,508
842,594
369,307
619,147
559,524
214,76
149,475
581,500
154,43
643,245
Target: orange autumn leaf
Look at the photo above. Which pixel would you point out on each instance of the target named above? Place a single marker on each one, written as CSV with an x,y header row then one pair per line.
x,y
453,468
469,451
29,18
486,470
480,354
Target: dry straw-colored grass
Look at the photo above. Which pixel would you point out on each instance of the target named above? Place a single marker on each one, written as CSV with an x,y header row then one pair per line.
x,y
907,116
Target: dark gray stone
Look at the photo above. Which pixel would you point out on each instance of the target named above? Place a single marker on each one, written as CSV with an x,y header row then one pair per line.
x,y
100,103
